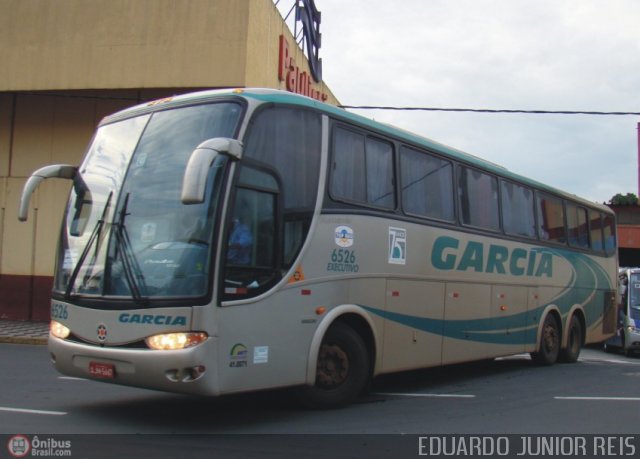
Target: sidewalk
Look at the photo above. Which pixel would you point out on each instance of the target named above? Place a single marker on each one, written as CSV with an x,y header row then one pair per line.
x,y
17,332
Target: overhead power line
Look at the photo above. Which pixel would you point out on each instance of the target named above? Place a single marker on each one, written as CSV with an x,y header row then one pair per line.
x,y
139,98
487,110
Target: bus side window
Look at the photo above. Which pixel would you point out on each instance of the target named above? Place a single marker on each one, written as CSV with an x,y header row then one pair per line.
x,y
518,217
287,141
595,231
478,195
427,185
609,227
551,219
251,260
372,157
577,226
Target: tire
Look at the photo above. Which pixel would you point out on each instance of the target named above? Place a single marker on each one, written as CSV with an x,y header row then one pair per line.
x,y
623,348
571,353
549,349
342,370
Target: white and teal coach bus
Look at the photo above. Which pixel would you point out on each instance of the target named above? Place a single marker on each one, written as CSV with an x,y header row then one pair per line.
x,y
230,241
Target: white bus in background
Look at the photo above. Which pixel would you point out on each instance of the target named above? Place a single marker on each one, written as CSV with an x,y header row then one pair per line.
x,y
230,241
627,337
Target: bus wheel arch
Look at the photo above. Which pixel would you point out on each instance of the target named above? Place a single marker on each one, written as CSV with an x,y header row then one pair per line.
x,y
550,339
342,363
575,337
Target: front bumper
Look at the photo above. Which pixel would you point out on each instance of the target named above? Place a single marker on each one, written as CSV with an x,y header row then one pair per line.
x,y
189,371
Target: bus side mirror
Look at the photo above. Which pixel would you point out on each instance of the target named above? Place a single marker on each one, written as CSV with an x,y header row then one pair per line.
x,y
64,171
202,158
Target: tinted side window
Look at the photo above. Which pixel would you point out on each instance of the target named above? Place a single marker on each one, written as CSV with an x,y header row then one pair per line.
x,y
287,140
518,218
362,169
609,229
551,219
577,228
427,185
595,230
251,257
478,194
348,157
380,186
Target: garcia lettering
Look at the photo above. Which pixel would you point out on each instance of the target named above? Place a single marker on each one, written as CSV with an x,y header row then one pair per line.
x,y
489,258
150,319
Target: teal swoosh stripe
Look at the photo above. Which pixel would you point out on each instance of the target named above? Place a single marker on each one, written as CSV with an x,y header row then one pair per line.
x,y
589,286
481,330
587,278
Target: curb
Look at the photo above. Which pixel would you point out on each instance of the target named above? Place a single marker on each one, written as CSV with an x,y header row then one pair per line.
x,y
23,340
24,332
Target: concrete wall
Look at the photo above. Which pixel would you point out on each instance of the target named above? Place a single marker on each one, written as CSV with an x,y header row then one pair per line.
x,y
115,44
72,44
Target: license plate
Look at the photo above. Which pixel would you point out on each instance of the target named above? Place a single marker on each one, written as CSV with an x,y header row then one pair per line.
x,y
102,370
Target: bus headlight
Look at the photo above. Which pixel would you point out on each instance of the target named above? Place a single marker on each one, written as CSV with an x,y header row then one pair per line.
x,y
175,341
58,330
633,329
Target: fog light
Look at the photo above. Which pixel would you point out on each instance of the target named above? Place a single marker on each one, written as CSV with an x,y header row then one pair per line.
x,y
196,372
58,330
175,341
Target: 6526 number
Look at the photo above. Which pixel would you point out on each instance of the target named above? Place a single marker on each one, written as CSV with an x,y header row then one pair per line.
x,y
59,311
343,256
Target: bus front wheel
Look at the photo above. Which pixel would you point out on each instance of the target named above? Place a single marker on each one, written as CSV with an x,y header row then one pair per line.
x,y
549,349
342,370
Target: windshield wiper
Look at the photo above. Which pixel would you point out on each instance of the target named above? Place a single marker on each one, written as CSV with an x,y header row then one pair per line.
x,y
132,272
95,235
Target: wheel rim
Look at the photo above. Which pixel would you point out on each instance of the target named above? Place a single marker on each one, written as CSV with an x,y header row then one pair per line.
x,y
333,366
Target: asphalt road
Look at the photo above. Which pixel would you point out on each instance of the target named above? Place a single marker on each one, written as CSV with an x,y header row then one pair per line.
x,y
600,394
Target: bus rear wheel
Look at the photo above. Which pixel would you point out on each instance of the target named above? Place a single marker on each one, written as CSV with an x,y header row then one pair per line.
x,y
342,370
574,343
549,349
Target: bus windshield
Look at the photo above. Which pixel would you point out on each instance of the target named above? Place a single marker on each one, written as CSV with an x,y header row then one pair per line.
x,y
634,296
126,231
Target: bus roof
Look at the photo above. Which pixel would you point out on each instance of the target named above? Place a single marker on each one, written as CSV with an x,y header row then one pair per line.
x,y
285,97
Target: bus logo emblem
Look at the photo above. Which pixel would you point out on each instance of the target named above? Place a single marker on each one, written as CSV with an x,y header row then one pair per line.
x,y
344,236
102,332
397,246
238,356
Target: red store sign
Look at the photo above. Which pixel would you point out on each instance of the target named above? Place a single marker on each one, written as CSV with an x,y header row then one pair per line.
x,y
296,79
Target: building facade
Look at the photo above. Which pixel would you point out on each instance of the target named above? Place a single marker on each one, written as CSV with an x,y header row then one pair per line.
x,y
628,219
66,64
